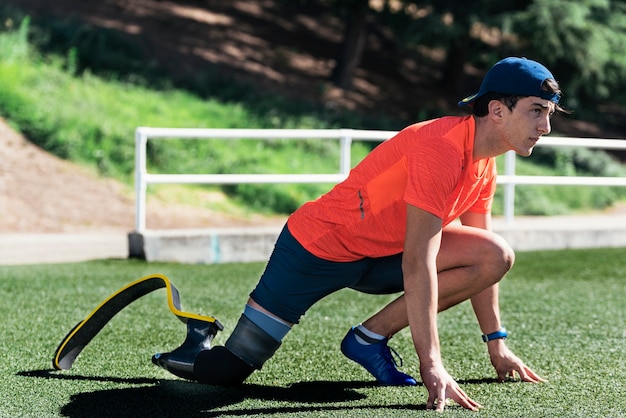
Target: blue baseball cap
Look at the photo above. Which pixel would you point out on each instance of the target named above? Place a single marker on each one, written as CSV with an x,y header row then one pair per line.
x,y
518,76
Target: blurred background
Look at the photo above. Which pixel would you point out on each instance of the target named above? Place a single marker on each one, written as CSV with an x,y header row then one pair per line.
x,y
77,77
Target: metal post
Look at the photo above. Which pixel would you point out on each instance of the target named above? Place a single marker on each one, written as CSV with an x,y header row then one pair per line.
x,y
141,144
509,188
345,162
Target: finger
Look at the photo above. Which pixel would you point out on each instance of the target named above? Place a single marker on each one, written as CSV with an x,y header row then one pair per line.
x,y
430,403
470,400
475,405
469,403
524,375
465,401
527,375
501,377
462,392
441,399
535,375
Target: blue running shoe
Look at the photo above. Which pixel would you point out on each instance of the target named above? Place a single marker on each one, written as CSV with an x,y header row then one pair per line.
x,y
377,359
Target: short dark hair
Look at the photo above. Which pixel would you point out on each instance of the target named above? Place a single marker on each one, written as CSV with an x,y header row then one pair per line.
x,y
481,105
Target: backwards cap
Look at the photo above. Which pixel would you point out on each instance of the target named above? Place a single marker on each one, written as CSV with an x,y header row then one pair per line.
x,y
518,76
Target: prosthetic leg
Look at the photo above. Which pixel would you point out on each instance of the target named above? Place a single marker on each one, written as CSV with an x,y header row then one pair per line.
x,y
246,349
200,329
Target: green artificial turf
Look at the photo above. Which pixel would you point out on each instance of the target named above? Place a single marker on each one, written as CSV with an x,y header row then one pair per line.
x,y
564,310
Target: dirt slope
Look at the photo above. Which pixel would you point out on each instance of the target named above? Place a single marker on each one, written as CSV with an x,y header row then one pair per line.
x,y
42,193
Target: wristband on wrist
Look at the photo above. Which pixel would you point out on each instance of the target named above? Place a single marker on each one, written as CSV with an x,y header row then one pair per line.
x,y
499,334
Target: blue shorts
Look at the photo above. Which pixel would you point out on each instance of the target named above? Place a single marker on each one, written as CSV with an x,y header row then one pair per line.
x,y
295,279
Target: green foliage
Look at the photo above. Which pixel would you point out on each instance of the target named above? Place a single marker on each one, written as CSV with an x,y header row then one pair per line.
x,y
68,110
86,45
583,42
90,120
113,55
14,43
551,200
564,311
573,161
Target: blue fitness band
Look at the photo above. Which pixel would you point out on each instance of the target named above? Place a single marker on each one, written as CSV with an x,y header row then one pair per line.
x,y
499,334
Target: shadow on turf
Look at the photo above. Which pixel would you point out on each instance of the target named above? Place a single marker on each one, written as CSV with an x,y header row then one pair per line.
x,y
52,374
157,398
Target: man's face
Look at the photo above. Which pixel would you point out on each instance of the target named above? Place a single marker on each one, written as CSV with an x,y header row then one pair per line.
x,y
526,123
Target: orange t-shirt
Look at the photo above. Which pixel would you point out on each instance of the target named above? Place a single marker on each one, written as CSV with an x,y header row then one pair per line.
x,y
428,165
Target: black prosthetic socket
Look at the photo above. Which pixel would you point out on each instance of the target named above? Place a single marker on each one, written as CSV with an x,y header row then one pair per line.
x,y
251,344
218,366
246,349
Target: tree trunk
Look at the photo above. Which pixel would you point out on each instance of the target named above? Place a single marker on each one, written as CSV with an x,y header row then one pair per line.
x,y
454,68
351,49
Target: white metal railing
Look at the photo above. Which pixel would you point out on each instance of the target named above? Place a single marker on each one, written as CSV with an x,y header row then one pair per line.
x,y
345,138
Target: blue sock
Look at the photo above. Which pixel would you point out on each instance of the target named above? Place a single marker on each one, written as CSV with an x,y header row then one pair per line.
x,y
271,325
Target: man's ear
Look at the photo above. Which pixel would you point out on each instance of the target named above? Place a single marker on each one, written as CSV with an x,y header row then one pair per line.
x,y
496,110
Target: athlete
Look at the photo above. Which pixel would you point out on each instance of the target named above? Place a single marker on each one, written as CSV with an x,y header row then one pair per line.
x,y
391,226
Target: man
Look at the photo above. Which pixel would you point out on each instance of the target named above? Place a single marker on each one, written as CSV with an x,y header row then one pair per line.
x,y
389,228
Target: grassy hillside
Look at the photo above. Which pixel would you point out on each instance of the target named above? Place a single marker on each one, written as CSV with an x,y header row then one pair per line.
x,y
90,118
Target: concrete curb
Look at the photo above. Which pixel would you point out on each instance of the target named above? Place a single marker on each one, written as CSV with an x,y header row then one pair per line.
x,y
226,245
204,246
562,232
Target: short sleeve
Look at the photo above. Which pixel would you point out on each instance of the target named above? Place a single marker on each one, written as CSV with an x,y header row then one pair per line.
x,y
434,169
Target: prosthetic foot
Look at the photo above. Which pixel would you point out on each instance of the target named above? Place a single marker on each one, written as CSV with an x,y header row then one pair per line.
x,y
181,360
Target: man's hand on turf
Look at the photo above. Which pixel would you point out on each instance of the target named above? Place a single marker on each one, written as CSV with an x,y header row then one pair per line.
x,y
508,364
442,386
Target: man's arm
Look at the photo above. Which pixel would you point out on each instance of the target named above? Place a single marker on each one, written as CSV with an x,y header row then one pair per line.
x,y
419,266
486,304
486,307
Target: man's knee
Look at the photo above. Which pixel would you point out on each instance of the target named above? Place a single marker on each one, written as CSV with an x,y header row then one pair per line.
x,y
499,258
484,251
